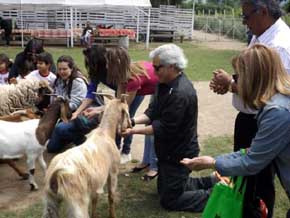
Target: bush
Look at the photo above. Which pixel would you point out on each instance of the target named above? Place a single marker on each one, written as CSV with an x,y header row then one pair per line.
x,y
210,8
287,7
232,28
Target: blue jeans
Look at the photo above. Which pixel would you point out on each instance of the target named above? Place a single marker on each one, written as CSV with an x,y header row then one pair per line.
x,y
128,140
72,132
149,155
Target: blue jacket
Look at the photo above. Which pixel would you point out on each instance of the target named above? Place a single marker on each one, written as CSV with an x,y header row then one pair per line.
x,y
271,144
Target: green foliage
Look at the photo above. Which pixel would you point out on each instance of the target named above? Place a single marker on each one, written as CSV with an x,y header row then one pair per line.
x,y
230,27
212,8
157,3
287,7
286,18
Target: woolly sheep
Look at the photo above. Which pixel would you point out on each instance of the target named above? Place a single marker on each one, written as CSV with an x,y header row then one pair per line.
x,y
26,93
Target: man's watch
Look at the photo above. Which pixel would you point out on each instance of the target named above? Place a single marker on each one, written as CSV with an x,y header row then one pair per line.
x,y
230,88
133,122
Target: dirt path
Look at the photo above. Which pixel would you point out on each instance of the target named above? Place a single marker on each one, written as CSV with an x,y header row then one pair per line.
x,y
217,42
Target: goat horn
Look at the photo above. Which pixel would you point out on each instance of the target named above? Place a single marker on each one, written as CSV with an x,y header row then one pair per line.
x,y
22,112
17,108
55,95
124,98
61,97
108,95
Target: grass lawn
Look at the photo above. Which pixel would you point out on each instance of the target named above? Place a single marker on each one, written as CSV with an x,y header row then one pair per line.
x,y
201,61
138,199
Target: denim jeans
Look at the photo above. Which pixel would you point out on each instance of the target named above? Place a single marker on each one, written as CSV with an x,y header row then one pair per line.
x,y
72,132
149,155
128,140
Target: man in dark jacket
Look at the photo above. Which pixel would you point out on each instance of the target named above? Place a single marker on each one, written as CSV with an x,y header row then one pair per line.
x,y
7,26
173,121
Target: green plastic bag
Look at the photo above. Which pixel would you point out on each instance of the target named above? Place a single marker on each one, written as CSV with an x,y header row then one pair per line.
x,y
226,201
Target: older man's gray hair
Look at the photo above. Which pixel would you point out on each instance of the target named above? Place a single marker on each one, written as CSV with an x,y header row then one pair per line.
x,y
272,6
170,54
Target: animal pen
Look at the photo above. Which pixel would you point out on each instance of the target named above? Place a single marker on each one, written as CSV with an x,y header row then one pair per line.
x,y
167,22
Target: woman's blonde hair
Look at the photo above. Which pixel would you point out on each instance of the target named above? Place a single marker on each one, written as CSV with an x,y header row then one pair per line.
x,y
136,70
261,75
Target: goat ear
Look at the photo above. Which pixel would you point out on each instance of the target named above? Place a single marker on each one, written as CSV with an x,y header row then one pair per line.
x,y
13,80
126,121
64,111
124,98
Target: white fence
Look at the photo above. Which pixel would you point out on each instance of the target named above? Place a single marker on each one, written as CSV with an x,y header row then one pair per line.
x,y
163,18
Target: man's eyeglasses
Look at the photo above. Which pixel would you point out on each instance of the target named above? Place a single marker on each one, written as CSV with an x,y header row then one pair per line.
x,y
156,68
246,17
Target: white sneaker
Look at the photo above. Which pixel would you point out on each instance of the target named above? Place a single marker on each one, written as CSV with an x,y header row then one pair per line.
x,y
125,158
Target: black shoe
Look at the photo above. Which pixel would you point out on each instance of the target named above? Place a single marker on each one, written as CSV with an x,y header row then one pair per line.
x,y
139,169
148,178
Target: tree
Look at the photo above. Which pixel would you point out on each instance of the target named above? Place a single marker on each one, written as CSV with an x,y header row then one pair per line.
x,y
157,3
287,7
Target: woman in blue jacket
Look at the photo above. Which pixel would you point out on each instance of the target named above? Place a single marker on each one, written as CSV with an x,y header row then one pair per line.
x,y
264,85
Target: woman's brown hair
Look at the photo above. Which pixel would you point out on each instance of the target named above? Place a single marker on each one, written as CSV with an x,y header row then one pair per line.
x,y
261,75
137,69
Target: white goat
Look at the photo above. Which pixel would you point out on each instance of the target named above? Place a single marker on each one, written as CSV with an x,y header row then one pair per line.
x,y
29,138
19,116
78,175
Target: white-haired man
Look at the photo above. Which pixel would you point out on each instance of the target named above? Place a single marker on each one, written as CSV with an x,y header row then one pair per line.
x,y
172,119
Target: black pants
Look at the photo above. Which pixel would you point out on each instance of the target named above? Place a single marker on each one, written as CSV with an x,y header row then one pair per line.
x,y
7,36
180,192
262,184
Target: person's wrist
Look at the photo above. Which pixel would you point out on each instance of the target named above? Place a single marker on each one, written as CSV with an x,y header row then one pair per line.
x,y
213,164
132,131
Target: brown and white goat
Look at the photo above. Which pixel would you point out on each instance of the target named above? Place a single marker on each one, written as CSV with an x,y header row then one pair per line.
x,y
19,116
29,137
78,175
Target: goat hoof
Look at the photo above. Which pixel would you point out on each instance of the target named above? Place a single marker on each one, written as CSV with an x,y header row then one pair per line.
x,y
24,176
33,187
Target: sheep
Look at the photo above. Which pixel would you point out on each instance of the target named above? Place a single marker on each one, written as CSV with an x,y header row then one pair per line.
x,y
77,176
25,94
19,116
30,137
